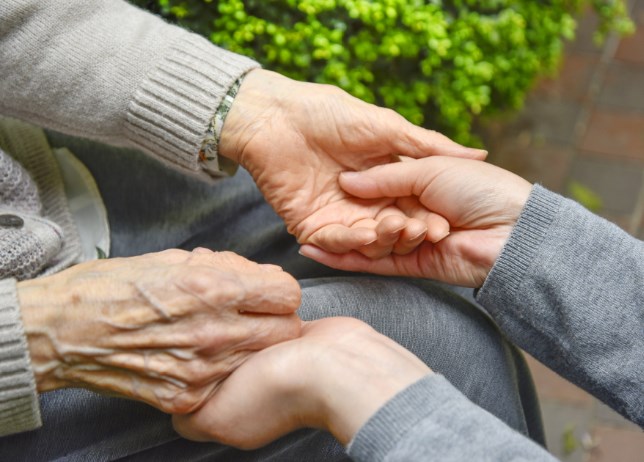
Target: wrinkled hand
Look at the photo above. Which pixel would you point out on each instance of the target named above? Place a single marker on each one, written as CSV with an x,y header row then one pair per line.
x,y
481,202
163,328
335,377
295,138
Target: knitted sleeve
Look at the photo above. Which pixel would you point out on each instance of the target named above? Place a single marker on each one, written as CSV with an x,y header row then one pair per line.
x,y
19,408
568,288
432,421
114,73
29,243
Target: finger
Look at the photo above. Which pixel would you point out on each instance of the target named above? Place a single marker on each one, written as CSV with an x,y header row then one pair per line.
x,y
436,225
437,228
212,337
270,330
411,237
352,261
194,428
249,423
269,292
163,395
400,179
417,142
182,368
388,230
338,238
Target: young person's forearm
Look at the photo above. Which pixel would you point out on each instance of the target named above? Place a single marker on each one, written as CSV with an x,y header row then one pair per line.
x,y
568,289
431,420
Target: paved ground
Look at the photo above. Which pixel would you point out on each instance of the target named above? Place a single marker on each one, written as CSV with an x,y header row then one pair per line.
x,y
582,134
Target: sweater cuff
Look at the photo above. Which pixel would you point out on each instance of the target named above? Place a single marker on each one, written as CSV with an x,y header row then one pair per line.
x,y
171,111
388,426
522,246
432,420
19,408
209,153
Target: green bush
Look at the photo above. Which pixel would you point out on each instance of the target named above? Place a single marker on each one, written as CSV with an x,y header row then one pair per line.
x,y
440,63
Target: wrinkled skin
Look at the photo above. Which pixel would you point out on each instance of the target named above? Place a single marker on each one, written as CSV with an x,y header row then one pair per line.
x,y
295,138
481,202
334,377
164,328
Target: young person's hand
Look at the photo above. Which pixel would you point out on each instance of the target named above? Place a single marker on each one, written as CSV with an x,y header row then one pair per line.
x,y
295,138
334,377
481,202
164,328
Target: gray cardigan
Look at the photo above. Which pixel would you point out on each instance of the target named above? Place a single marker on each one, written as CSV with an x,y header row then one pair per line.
x,y
567,288
103,70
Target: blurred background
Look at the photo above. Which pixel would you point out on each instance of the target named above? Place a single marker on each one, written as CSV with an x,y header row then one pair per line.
x,y
553,89
581,133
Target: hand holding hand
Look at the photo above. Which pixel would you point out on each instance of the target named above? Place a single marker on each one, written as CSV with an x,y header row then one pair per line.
x,y
335,377
164,328
295,138
481,202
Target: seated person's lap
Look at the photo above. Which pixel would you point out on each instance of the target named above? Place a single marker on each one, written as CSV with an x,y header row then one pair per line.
x,y
444,329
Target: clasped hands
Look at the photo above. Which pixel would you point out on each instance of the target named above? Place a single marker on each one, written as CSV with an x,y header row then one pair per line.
x,y
214,339
327,164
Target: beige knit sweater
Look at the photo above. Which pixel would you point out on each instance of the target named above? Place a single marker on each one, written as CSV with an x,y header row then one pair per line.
x,y
98,69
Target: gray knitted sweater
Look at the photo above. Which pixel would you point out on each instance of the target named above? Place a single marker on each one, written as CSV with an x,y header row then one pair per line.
x,y
97,69
569,289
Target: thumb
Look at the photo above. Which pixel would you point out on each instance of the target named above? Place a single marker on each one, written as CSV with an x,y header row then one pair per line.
x,y
411,140
399,179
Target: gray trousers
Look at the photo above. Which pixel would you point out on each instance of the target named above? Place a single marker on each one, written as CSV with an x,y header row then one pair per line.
x,y
152,208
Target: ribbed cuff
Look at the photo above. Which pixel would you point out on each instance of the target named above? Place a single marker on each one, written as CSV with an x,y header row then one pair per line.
x,y
398,416
524,242
19,408
171,111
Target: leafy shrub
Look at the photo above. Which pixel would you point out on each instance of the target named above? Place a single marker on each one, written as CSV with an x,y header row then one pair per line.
x,y
440,63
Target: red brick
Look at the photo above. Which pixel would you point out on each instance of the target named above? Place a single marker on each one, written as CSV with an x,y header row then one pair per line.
x,y
615,133
587,24
572,80
617,445
632,48
622,87
547,164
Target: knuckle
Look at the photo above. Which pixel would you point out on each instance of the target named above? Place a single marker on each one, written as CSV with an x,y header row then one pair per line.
x,y
200,372
213,285
185,401
173,255
204,336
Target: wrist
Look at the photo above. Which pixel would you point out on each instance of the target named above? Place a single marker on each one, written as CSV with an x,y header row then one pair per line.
x,y
373,369
255,105
39,321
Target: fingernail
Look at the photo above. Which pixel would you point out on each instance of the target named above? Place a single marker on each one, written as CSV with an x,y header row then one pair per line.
x,y
440,238
418,236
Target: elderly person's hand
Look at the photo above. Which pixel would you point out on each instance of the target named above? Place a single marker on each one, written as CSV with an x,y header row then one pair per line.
x,y
481,202
335,377
164,328
295,138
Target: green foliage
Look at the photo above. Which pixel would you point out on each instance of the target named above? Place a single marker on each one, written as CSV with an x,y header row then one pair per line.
x,y
440,63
